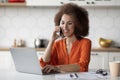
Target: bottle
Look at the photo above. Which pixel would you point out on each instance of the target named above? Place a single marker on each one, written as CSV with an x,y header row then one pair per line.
x,y
14,44
20,43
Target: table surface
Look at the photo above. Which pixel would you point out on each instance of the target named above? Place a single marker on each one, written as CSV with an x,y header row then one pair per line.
x,y
14,75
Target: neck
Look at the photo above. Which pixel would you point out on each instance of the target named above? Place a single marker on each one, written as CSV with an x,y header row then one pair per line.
x,y
70,40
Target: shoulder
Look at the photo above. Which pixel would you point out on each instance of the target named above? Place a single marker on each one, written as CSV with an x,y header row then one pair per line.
x,y
85,40
59,41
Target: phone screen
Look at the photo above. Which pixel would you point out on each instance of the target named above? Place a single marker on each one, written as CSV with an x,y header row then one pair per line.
x,y
60,31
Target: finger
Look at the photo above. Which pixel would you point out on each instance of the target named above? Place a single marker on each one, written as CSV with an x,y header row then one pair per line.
x,y
49,70
57,28
45,68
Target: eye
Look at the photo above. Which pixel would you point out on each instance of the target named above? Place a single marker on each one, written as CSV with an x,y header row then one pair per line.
x,y
62,22
70,23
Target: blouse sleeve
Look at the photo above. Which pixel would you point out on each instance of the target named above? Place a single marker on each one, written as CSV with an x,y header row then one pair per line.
x,y
85,55
53,59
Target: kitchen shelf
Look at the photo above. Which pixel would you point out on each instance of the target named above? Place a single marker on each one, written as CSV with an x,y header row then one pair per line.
x,y
93,49
105,49
13,4
8,49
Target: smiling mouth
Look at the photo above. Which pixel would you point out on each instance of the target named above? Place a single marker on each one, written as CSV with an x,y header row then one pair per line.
x,y
66,31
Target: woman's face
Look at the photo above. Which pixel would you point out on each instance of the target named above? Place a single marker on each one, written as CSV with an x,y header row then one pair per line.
x,y
67,24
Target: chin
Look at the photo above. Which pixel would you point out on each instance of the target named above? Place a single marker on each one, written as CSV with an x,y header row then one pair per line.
x,y
66,35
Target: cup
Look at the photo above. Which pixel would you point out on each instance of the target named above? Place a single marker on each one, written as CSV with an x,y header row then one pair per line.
x,y
114,68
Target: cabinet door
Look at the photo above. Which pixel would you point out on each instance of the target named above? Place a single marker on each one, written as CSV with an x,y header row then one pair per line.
x,y
99,60
117,2
104,2
44,2
6,60
79,2
92,2
114,56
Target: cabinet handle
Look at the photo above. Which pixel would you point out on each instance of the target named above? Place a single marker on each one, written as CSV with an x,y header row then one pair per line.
x,y
92,2
94,54
88,2
61,2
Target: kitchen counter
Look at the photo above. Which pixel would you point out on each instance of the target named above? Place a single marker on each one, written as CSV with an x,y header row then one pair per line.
x,y
93,49
8,49
105,49
14,75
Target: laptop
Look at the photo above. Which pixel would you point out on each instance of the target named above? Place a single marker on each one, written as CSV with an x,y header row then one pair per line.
x,y
26,60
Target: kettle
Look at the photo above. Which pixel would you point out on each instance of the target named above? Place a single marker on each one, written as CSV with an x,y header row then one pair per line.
x,y
40,43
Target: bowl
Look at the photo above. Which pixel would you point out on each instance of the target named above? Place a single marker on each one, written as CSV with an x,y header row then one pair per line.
x,y
105,43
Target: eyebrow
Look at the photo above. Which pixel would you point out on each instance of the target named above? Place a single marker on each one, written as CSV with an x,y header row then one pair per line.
x,y
67,21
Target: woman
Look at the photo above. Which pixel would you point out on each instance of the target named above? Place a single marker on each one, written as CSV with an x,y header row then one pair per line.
x,y
72,52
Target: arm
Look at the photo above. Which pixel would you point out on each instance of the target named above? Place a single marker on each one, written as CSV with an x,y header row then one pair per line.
x,y
46,57
85,55
61,68
68,68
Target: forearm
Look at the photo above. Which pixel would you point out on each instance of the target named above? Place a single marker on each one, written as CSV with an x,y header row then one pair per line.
x,y
47,55
68,68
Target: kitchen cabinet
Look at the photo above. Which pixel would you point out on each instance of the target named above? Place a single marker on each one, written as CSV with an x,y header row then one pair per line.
x,y
55,3
114,56
6,61
44,2
13,4
94,2
99,60
117,2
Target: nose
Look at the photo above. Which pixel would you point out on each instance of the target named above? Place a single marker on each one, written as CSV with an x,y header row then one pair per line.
x,y
65,26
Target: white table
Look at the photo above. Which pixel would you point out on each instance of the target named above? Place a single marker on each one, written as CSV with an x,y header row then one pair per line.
x,y
14,75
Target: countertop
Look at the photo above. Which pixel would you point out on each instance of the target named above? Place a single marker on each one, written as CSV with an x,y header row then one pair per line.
x,y
8,49
14,75
93,49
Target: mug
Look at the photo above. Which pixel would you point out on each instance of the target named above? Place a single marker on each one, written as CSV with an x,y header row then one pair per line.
x,y
114,68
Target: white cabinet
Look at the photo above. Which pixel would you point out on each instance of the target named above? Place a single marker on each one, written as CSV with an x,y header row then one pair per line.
x,y
117,2
99,60
93,2
6,61
104,2
79,2
44,2
114,56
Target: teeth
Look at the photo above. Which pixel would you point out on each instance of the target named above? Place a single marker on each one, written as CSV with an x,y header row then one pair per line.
x,y
65,30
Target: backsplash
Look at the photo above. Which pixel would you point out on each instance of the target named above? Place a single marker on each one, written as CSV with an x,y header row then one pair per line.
x,y
28,23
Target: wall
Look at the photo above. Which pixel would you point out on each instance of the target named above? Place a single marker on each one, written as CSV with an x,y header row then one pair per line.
x,y
28,23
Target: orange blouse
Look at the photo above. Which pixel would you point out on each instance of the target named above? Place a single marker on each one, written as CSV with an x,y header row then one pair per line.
x,y
79,54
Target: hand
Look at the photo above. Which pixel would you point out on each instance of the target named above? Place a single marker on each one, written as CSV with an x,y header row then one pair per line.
x,y
55,35
50,69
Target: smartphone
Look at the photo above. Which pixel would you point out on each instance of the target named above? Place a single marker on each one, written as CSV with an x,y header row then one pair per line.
x,y
59,32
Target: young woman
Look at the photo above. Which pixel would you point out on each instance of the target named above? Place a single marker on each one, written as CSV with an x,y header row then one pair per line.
x,y
72,52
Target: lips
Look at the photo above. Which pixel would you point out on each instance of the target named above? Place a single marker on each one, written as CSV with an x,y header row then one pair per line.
x,y
66,31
